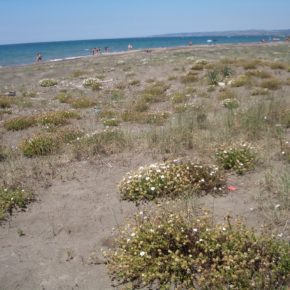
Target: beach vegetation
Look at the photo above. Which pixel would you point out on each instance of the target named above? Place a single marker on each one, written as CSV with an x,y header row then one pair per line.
x,y
171,180
231,103
106,142
5,102
82,102
57,118
241,81
260,91
190,77
20,123
262,74
179,97
240,157
185,250
40,145
278,65
112,122
11,199
226,94
134,83
271,84
48,83
92,83
213,77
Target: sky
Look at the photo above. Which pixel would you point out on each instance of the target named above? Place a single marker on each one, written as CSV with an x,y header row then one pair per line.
x,y
23,21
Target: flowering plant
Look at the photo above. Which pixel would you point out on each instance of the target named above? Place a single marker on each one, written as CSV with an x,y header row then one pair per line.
x,y
240,157
171,179
184,251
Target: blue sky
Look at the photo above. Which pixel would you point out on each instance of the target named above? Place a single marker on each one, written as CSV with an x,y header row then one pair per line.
x,y
48,20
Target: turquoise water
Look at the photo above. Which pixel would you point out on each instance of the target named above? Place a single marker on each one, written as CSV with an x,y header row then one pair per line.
x,y
19,54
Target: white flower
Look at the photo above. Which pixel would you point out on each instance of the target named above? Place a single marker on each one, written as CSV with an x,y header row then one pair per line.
x,y
224,229
195,230
277,206
162,176
142,253
147,178
133,235
152,188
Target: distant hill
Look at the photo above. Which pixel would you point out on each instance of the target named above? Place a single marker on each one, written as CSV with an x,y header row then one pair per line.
x,y
282,32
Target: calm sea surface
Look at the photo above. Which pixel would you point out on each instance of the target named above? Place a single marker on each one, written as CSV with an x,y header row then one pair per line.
x,y
18,54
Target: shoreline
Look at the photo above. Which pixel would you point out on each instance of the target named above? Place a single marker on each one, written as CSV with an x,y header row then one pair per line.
x,y
155,49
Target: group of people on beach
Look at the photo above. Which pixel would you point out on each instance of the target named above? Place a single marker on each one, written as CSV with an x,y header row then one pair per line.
x,y
98,51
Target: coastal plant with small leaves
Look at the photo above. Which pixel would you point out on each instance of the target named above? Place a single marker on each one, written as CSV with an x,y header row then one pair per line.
x,y
112,122
240,157
11,199
92,83
171,179
231,103
182,250
57,118
48,83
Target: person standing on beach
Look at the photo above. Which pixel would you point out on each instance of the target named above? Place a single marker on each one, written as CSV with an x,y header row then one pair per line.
x,y
38,57
130,46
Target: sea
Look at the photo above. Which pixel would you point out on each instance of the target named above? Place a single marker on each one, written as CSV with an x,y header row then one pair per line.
x,y
25,53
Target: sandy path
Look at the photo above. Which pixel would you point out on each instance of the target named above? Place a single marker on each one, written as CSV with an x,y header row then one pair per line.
x,y
63,231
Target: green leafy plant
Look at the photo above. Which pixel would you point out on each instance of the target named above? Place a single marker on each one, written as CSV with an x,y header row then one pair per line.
x,y
5,102
171,179
240,157
111,122
213,77
11,199
48,83
169,250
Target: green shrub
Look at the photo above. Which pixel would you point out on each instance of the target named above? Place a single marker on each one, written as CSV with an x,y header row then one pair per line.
x,y
48,83
57,118
240,157
260,91
231,103
20,123
213,77
40,145
29,94
92,83
259,74
111,122
171,180
156,92
11,199
169,250
158,118
63,97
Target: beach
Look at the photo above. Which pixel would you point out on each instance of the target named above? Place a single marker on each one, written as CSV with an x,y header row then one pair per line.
x,y
130,109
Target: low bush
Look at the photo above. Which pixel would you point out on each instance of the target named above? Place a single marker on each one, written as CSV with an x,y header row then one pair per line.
x,y
57,118
48,83
102,143
169,250
213,77
240,81
170,180
134,83
278,65
231,103
92,83
240,157
20,123
156,92
11,199
260,91
226,94
111,122
190,77
82,102
40,145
